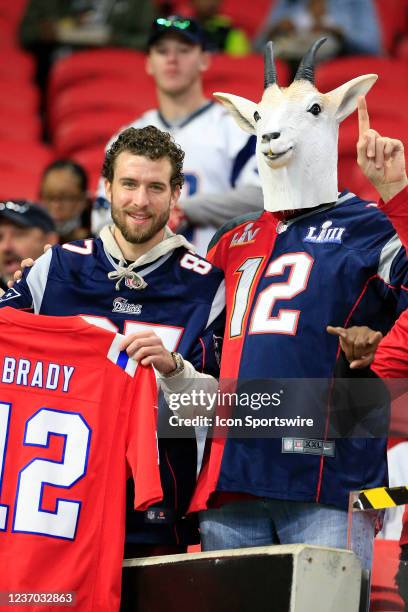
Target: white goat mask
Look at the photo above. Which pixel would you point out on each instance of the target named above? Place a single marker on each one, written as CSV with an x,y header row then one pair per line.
x,y
297,133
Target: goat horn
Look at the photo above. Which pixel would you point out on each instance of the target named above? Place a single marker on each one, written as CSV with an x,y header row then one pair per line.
x,y
306,66
270,69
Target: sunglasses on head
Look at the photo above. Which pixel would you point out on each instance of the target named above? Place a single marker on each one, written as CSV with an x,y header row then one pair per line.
x,y
175,22
14,206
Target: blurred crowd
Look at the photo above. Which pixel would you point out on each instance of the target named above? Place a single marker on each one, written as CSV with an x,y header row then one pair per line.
x,y
85,69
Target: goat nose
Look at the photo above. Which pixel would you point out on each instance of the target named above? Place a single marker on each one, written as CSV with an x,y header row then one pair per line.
x,y
270,136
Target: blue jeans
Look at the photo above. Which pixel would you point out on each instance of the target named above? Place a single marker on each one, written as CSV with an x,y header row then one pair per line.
x,y
263,522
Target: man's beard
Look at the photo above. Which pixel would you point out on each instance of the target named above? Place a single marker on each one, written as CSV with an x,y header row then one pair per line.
x,y
136,235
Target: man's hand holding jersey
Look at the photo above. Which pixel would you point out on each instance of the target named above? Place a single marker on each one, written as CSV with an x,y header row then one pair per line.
x,y
381,159
148,349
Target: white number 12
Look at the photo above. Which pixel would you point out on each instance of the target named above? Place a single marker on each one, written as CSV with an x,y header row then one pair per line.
x,y
28,515
286,320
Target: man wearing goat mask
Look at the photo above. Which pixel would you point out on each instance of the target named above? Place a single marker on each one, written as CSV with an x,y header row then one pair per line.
x,y
313,257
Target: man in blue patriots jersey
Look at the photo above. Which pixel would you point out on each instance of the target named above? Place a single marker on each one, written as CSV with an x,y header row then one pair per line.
x,y
219,168
144,281
287,277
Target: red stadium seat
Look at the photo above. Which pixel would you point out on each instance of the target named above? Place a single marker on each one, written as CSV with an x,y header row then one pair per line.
x,y
11,14
240,75
19,95
86,66
246,15
15,64
87,130
17,125
19,184
115,95
13,11
7,35
331,74
21,166
392,16
22,155
92,160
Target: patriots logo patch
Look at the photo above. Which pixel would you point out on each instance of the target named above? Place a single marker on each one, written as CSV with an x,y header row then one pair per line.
x,y
121,304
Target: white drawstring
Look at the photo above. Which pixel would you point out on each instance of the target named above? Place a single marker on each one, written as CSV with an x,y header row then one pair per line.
x,y
122,272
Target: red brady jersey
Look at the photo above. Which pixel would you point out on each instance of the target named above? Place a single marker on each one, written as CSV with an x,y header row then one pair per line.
x,y
76,417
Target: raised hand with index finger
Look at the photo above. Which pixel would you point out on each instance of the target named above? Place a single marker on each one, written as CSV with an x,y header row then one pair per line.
x,y
380,158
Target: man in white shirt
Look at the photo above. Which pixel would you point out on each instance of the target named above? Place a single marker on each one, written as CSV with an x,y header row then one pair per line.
x,y
221,178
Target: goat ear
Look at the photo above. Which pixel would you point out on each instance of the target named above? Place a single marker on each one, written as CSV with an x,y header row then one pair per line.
x,y
345,97
241,109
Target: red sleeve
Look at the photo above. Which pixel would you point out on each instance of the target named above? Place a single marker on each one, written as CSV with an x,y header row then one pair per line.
x,y
391,358
396,210
141,452
404,533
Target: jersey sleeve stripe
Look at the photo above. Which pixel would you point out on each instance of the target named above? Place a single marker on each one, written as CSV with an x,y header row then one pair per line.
x,y
121,358
37,279
247,151
131,367
388,253
218,304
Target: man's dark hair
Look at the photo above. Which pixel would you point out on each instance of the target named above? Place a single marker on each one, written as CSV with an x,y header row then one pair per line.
x,y
147,142
68,164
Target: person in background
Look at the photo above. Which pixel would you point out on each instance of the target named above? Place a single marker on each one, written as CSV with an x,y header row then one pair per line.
x,y
64,193
51,28
220,32
273,491
351,27
221,177
140,278
25,229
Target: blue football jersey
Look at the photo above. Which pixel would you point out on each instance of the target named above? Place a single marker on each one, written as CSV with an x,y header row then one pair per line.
x,y
183,302
340,264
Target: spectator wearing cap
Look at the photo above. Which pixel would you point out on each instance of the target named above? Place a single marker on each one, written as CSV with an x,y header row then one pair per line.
x,y
221,179
25,228
64,193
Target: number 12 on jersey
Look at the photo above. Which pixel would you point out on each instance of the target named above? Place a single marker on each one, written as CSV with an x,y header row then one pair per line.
x,y
261,322
28,516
